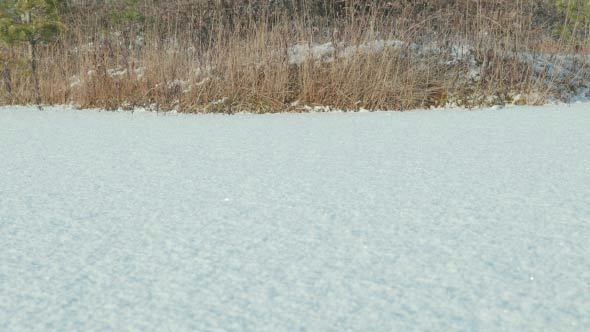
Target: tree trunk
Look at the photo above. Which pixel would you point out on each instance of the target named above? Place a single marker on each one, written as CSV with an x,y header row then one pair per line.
x,y
35,72
26,17
7,78
7,75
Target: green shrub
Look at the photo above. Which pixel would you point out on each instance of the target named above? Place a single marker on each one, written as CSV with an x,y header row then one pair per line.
x,y
30,22
576,15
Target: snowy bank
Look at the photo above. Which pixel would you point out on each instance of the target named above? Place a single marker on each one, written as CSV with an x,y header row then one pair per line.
x,y
442,220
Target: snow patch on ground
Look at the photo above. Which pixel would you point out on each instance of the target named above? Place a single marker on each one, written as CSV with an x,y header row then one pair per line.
x,y
439,220
566,75
300,53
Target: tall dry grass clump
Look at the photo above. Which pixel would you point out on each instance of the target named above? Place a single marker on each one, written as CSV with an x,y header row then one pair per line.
x,y
269,56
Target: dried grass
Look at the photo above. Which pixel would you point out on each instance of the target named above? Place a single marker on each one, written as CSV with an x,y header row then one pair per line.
x,y
196,56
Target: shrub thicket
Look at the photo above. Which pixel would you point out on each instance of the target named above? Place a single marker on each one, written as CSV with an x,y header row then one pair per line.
x,y
263,55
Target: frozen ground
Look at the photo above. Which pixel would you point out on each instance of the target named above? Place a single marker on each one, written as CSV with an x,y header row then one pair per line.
x,y
434,220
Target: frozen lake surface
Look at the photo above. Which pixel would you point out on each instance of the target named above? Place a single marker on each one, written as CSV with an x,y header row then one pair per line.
x,y
430,220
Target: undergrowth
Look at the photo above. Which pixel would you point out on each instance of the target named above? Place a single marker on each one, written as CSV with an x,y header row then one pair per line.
x,y
273,56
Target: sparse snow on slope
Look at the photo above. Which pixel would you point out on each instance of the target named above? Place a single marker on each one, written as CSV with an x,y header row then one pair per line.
x,y
300,53
441,220
565,75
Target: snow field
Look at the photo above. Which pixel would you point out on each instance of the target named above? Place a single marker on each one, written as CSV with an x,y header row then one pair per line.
x,y
430,220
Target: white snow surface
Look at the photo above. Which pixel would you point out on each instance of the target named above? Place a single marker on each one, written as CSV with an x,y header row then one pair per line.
x,y
300,53
428,220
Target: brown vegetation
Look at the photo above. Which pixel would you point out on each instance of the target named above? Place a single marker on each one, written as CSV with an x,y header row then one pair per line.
x,y
230,56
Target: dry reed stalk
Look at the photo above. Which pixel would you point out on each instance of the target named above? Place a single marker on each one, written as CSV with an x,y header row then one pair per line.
x,y
201,56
